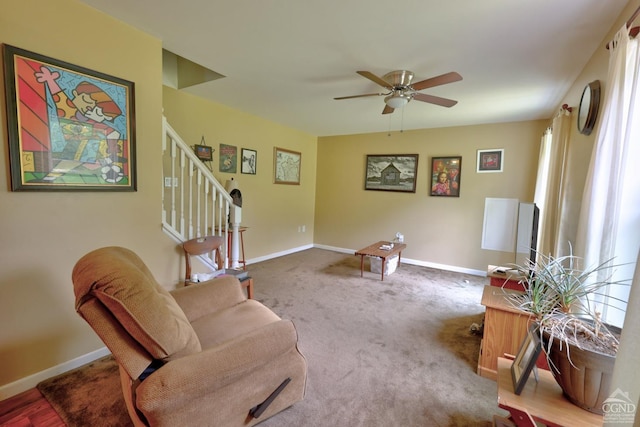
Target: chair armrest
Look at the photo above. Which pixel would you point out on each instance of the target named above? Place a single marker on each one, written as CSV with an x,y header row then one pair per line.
x,y
207,297
205,372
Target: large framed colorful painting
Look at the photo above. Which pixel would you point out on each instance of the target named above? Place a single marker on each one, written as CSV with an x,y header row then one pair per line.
x,y
69,128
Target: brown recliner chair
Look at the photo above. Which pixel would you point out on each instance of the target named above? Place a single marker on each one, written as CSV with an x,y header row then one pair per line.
x,y
201,355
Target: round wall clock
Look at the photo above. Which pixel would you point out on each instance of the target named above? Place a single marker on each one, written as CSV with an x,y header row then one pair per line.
x,y
589,104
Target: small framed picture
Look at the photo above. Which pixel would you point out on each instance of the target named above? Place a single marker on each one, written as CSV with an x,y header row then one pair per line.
x,y
228,158
203,152
490,160
286,166
445,176
249,161
526,358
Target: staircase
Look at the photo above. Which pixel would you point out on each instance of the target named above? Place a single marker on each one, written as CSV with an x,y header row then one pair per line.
x,y
194,203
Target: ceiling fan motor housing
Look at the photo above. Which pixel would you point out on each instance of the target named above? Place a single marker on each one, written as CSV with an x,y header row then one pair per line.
x,y
399,79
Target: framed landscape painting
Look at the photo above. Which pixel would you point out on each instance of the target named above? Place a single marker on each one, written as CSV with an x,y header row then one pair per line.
x,y
445,176
391,172
69,128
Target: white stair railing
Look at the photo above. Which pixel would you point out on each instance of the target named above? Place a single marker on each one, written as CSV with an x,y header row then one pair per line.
x,y
194,203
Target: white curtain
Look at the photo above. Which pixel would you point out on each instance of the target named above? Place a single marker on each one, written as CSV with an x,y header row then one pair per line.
x,y
609,224
550,187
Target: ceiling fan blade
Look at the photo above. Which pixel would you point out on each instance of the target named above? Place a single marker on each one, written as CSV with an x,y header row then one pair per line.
x,y
387,110
375,79
437,81
359,96
444,102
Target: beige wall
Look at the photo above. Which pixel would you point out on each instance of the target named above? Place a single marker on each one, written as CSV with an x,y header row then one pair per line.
x,y
44,233
273,212
445,231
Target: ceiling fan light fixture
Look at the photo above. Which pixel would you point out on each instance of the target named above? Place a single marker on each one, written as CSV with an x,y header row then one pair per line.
x,y
397,100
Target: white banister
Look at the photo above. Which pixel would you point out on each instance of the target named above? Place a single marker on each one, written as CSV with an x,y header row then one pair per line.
x,y
201,206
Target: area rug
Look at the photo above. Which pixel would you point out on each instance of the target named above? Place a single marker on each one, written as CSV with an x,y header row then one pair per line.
x,y
88,396
397,352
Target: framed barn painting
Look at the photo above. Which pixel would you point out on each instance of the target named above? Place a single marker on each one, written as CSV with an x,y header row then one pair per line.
x,y
391,172
445,176
70,128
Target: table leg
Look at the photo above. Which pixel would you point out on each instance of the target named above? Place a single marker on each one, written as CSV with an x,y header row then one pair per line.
x,y
384,261
361,265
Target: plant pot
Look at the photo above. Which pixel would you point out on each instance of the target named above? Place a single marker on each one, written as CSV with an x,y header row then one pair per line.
x,y
586,378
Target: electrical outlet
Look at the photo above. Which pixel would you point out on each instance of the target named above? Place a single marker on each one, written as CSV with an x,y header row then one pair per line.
x,y
304,228
167,181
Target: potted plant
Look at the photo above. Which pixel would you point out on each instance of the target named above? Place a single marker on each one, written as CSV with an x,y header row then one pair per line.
x,y
561,298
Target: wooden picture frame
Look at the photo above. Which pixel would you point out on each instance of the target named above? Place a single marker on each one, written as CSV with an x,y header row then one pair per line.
x,y
203,152
446,174
286,166
69,127
249,162
526,358
391,172
490,161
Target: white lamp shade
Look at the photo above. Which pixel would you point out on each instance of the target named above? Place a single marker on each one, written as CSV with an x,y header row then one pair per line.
x,y
230,185
397,100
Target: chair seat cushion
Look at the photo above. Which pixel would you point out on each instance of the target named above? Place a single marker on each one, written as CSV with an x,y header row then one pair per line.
x,y
118,278
224,325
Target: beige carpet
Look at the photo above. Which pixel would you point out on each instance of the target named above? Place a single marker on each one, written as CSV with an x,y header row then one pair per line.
x,y
396,352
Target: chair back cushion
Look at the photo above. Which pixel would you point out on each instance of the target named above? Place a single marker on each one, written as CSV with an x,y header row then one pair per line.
x,y
119,279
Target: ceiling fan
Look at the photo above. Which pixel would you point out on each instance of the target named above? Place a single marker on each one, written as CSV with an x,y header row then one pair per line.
x,y
400,90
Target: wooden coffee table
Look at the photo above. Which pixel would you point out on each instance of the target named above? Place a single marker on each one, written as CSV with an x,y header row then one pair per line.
x,y
374,250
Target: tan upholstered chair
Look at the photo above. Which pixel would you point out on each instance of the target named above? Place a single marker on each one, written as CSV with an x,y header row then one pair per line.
x,y
201,355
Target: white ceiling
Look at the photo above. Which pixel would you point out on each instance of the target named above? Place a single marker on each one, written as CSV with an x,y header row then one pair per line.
x,y
285,60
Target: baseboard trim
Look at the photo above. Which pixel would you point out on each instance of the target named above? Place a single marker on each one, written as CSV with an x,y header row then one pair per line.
x,y
405,260
279,254
27,383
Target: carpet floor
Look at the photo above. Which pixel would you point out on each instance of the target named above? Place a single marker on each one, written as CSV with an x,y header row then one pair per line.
x,y
396,352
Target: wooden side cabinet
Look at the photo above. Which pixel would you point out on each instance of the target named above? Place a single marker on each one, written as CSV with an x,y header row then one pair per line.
x,y
504,329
